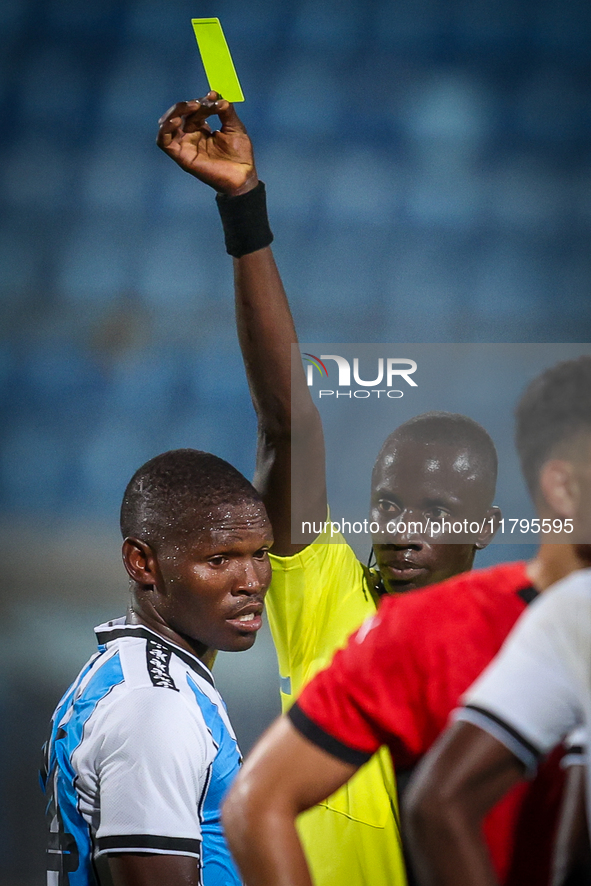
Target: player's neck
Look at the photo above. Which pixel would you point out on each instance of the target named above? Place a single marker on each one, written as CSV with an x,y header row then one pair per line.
x,y
551,563
147,616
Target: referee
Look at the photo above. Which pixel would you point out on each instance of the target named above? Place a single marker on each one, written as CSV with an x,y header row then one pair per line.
x,y
435,466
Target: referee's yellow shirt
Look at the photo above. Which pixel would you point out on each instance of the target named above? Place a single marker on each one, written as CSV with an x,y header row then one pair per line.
x,y
316,600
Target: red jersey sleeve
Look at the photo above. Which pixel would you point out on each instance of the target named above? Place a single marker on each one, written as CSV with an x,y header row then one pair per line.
x,y
371,694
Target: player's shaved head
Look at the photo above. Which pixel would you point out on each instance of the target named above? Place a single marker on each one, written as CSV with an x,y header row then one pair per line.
x,y
180,493
553,417
472,447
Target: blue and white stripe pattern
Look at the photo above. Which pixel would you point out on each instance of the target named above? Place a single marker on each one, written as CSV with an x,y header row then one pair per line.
x,y
140,757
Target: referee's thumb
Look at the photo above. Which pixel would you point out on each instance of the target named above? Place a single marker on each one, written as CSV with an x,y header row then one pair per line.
x,y
229,118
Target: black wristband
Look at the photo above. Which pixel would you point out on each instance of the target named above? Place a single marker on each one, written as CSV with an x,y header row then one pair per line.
x,y
245,221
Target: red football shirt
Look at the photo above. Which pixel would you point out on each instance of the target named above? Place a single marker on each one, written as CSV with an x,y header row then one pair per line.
x,y
403,673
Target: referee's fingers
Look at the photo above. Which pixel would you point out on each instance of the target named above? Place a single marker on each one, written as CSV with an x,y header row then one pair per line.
x,y
229,119
183,117
195,123
177,112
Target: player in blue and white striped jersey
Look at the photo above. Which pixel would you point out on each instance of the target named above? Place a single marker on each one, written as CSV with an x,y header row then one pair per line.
x,y
142,751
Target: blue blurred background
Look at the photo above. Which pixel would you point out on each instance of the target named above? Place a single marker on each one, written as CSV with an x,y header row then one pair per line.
x,y
427,165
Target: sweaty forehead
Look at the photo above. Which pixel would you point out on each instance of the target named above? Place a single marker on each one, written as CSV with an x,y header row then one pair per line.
x,y
416,460
231,516
221,525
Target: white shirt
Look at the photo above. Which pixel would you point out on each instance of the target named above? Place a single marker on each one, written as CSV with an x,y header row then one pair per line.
x,y
140,757
538,688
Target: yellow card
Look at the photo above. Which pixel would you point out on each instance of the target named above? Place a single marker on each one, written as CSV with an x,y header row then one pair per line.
x,y
216,58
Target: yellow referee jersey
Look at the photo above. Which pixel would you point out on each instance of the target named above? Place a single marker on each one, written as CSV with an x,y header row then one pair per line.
x,y
316,600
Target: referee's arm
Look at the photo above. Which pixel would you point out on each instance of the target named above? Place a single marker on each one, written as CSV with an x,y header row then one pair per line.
x,y
290,471
290,437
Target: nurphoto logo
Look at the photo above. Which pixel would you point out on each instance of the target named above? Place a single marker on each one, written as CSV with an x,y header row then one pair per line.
x,y
390,370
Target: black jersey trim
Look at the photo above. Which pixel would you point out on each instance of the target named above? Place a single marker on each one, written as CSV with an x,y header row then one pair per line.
x,y
141,842
322,739
118,631
158,657
510,730
528,595
574,756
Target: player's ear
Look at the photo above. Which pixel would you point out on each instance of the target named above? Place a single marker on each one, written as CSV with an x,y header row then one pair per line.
x,y
489,527
140,561
559,487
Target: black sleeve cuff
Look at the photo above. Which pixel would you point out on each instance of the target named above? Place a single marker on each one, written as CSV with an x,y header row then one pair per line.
x,y
322,739
149,843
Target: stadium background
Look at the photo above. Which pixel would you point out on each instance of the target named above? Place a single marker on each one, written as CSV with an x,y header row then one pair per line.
x,y
429,180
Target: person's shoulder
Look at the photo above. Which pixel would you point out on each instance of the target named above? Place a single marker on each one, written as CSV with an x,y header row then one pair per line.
x,y
318,554
327,569
439,604
577,584
150,679
560,618
503,578
153,714
323,547
145,659
328,542
570,595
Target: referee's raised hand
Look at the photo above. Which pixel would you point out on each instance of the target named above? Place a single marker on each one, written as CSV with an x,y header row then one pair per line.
x,y
223,158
